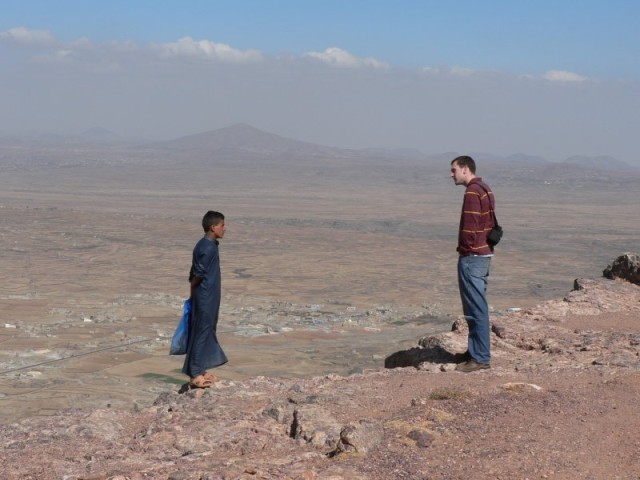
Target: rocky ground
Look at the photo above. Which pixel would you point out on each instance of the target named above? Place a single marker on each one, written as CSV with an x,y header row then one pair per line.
x,y
560,402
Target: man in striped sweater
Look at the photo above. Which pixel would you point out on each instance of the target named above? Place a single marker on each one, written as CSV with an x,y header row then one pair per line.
x,y
475,252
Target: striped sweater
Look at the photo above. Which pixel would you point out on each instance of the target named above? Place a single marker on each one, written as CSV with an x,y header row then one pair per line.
x,y
476,220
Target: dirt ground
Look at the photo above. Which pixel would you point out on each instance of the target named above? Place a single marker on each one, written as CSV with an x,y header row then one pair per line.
x,y
328,268
560,402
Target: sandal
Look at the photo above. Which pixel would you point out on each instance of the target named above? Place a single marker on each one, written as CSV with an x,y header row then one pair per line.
x,y
211,377
200,382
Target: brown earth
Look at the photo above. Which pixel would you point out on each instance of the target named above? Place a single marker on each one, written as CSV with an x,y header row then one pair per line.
x,y
560,401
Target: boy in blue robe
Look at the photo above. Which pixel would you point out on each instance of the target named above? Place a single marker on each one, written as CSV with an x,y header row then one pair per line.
x,y
203,350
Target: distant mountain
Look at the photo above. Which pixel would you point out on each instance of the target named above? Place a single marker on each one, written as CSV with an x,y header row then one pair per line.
x,y
242,139
99,134
525,159
36,137
244,142
93,136
600,162
392,152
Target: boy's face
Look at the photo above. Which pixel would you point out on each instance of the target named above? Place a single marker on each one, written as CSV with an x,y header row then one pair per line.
x,y
218,230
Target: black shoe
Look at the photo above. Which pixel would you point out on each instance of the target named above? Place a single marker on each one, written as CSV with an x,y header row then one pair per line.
x,y
472,366
461,357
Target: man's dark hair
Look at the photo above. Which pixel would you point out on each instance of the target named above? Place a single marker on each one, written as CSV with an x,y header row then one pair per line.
x,y
465,161
210,219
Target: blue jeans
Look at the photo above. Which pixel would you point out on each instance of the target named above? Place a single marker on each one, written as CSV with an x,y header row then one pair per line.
x,y
473,273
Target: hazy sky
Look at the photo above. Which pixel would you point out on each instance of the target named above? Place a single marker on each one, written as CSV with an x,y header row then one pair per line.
x,y
547,77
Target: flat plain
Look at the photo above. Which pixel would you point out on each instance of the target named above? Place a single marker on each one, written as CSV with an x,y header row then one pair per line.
x,y
330,264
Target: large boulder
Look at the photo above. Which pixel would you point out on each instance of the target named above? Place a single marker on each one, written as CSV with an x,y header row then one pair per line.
x,y
626,266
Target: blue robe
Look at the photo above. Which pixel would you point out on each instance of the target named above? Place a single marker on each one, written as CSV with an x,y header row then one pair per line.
x,y
203,350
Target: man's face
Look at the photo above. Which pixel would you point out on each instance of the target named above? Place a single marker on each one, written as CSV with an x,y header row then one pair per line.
x,y
218,230
459,174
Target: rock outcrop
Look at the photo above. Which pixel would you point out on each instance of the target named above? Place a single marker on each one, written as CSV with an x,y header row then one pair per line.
x,y
626,267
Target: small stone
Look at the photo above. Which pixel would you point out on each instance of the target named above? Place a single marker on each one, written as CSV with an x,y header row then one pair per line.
x,y
422,438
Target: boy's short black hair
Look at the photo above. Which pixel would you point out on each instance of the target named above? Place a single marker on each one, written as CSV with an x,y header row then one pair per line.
x,y
465,161
210,219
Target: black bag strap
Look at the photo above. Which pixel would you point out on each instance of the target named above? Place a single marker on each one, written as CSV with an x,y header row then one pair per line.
x,y
493,212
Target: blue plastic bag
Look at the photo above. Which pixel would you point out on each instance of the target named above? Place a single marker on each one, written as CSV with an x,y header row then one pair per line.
x,y
181,336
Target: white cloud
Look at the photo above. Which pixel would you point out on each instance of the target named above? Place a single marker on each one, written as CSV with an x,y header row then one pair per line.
x,y
563,76
84,52
24,36
188,47
63,54
458,71
462,71
341,58
82,43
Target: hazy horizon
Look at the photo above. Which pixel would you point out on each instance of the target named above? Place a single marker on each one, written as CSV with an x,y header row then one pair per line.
x,y
99,136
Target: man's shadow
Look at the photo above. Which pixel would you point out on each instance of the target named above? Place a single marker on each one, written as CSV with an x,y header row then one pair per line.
x,y
416,355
